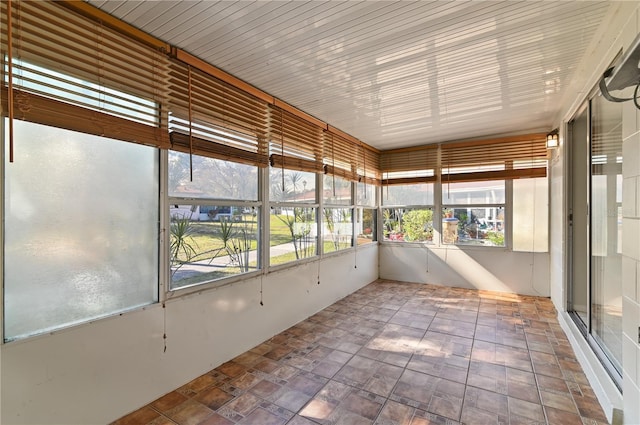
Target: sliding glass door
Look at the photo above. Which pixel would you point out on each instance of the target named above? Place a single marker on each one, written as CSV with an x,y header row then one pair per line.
x,y
595,226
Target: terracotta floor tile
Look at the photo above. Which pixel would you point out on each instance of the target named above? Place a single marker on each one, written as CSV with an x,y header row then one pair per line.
x,y
190,412
561,417
361,406
300,420
244,404
262,417
265,388
327,369
291,399
397,353
562,401
450,367
168,401
140,417
318,410
232,369
216,419
525,409
214,398
453,327
428,418
394,413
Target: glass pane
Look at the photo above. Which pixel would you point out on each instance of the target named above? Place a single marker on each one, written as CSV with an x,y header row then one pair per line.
x,y
293,234
366,225
408,194
473,226
337,229
606,227
337,191
212,242
579,226
473,193
407,224
530,215
212,178
292,186
81,229
366,194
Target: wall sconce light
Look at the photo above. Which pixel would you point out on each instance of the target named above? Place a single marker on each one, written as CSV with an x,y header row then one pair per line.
x,y
552,140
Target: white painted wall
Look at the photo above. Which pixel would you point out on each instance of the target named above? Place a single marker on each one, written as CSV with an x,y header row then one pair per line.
x,y
98,372
616,32
492,269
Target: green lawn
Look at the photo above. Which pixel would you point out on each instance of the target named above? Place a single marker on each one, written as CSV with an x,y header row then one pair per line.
x,y
205,238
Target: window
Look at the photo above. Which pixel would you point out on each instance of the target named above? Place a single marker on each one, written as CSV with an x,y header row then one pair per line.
x,y
81,241
337,229
412,219
408,194
366,214
214,219
473,213
407,224
337,223
293,228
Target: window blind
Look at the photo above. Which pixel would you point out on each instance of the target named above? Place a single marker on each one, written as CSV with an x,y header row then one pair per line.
x,y
409,165
340,156
224,122
369,165
64,64
294,143
495,159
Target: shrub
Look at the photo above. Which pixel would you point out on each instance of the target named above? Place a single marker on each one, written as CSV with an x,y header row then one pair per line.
x,y
418,225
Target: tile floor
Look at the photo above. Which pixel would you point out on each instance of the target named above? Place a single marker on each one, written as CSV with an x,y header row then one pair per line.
x,y
398,354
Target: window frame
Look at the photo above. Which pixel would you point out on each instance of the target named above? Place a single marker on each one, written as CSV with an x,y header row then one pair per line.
x,y
270,205
166,203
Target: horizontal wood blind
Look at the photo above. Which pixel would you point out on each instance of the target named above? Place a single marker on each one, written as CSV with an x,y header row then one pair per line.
x,y
503,151
369,166
291,137
340,156
69,58
229,120
503,158
409,159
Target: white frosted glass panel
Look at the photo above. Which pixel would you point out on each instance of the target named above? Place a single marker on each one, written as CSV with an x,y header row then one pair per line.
x,y
408,194
212,178
81,229
530,215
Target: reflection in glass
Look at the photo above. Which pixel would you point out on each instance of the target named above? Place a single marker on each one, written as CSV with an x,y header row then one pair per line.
x,y
212,178
337,191
473,193
337,229
473,226
211,242
293,234
292,186
366,225
606,227
366,195
408,194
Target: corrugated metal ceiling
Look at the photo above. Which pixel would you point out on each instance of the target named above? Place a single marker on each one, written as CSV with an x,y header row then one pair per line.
x,y
392,74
